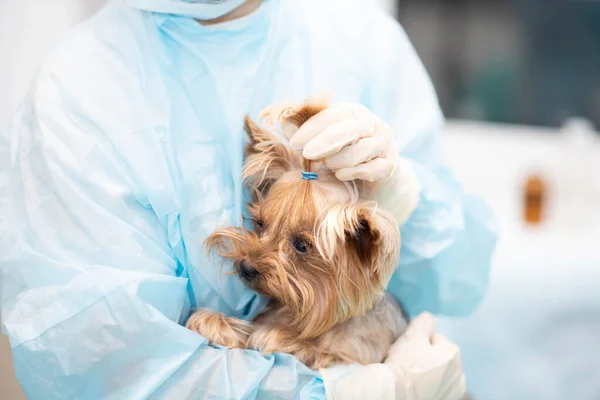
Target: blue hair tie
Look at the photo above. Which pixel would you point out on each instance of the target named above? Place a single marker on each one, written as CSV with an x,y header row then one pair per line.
x,y
309,176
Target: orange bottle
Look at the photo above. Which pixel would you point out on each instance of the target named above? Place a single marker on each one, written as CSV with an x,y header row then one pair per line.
x,y
535,199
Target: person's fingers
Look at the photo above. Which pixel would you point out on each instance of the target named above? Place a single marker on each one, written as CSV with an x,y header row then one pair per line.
x,y
372,171
422,326
447,355
438,338
288,129
409,351
337,136
317,124
415,342
362,151
444,346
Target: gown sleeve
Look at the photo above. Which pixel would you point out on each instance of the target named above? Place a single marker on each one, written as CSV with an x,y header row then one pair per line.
x,y
449,240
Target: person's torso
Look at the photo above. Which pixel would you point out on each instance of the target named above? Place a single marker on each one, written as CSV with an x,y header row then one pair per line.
x,y
203,83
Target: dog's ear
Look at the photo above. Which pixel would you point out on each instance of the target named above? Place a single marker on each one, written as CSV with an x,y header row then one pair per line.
x,y
267,158
368,236
256,135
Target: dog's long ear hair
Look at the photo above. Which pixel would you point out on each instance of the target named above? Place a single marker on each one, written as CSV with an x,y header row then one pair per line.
x,y
267,159
363,243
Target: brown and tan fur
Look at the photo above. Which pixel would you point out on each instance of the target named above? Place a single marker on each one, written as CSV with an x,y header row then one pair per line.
x,y
329,304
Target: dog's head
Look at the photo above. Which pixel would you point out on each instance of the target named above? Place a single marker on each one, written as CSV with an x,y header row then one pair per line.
x,y
316,249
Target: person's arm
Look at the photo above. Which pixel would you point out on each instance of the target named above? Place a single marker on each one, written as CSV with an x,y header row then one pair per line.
x,y
391,144
448,241
92,294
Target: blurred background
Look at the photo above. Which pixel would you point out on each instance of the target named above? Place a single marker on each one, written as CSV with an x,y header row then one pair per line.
x,y
516,61
519,81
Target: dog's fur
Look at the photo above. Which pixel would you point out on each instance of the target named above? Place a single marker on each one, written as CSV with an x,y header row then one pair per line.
x,y
329,304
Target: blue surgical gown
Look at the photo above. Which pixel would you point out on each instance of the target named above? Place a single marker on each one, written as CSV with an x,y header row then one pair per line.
x,y
126,155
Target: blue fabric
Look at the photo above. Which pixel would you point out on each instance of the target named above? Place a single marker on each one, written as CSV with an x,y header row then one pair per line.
x,y
126,155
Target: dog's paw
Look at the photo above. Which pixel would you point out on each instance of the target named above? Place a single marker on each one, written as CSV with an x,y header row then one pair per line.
x,y
220,330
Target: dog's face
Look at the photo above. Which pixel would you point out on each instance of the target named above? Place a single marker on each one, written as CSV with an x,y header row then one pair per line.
x,y
315,249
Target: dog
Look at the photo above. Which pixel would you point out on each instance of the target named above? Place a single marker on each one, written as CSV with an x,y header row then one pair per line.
x,y
320,253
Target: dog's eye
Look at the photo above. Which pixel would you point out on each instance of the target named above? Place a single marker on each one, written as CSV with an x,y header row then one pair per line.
x,y
300,245
259,224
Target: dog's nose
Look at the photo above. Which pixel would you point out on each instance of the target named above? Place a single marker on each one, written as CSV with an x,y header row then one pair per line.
x,y
247,271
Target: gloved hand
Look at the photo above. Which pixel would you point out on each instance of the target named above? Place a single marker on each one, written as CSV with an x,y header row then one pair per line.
x,y
356,144
426,365
421,365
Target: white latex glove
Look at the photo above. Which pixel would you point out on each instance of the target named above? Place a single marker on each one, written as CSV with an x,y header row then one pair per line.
x,y
356,144
426,365
421,365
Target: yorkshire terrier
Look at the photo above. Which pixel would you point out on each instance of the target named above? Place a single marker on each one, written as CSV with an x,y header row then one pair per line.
x,y
321,254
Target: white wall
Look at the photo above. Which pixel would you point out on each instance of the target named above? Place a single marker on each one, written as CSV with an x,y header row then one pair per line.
x,y
28,29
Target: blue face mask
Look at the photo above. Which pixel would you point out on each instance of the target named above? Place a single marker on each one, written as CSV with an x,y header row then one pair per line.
x,y
198,9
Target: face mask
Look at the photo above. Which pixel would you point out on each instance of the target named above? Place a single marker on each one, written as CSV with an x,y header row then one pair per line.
x,y
197,9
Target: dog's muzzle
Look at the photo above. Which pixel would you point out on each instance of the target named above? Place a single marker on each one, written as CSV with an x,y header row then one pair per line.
x,y
247,271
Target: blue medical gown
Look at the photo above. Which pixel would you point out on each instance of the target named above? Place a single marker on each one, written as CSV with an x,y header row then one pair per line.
x,y
126,155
